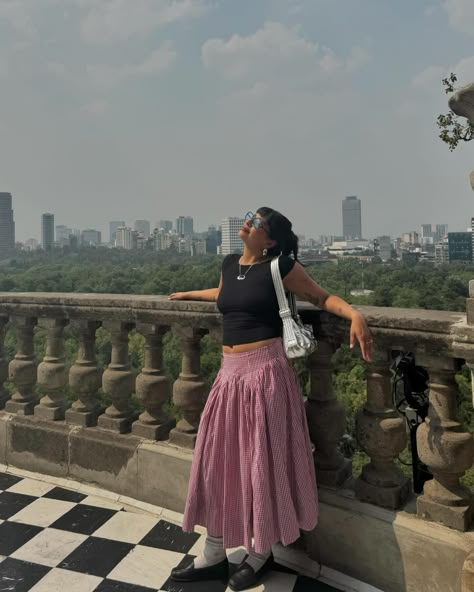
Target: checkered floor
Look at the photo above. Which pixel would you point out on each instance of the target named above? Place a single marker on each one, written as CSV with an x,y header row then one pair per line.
x,y
53,539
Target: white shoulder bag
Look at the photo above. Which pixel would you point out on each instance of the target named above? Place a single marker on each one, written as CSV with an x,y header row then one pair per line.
x,y
298,339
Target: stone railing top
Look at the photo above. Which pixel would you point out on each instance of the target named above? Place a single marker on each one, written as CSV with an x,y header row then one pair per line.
x,y
395,327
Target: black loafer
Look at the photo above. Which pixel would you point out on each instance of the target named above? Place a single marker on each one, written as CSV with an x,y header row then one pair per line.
x,y
245,577
219,571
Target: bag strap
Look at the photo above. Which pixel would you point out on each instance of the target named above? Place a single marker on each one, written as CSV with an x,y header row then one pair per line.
x,y
286,312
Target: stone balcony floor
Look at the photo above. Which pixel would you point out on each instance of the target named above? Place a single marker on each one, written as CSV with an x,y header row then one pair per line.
x,y
57,534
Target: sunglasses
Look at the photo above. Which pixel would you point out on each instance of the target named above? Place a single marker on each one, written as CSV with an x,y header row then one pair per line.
x,y
256,222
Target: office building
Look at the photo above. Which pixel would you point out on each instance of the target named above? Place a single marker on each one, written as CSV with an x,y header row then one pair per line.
x,y
426,231
351,218
442,251
90,237
113,229
124,238
460,247
213,238
7,224
63,234
47,231
184,226
231,242
440,232
384,245
142,227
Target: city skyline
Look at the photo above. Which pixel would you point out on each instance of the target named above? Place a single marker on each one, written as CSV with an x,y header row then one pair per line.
x,y
107,228
151,108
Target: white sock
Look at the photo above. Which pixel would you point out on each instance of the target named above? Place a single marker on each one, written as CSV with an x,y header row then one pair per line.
x,y
257,560
213,553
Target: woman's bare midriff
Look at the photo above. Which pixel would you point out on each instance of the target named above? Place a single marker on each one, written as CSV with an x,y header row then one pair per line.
x,y
244,347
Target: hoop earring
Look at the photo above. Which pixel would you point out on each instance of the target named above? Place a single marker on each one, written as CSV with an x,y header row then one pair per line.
x,y
265,252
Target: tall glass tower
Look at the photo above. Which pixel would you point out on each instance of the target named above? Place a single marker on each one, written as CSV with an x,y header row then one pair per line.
x,y
351,218
7,224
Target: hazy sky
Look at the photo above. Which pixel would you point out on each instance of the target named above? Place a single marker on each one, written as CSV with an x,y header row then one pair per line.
x,y
126,109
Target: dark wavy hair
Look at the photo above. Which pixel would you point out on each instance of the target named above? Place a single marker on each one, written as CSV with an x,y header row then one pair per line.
x,y
280,230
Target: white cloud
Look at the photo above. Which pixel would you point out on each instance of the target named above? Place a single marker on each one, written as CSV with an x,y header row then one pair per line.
x,y
461,14
278,53
429,78
106,76
110,21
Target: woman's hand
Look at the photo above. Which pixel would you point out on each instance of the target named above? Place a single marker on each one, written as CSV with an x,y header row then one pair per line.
x,y
178,296
360,331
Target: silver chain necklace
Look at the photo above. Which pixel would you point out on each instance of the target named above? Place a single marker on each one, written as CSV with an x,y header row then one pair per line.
x,y
242,276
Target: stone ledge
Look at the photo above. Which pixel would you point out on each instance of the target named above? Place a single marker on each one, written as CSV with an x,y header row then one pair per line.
x,y
393,551
152,472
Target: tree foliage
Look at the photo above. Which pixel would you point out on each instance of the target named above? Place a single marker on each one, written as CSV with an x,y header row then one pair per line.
x,y
453,128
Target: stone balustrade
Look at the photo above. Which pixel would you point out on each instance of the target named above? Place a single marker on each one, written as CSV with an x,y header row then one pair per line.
x,y
441,341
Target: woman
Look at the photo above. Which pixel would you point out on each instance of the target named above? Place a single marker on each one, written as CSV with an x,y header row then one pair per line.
x,y
252,479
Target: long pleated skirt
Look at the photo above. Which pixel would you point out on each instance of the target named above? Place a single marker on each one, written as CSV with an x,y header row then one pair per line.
x,y
252,476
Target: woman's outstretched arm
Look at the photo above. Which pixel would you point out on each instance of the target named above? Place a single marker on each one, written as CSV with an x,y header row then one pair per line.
x,y
299,282
207,295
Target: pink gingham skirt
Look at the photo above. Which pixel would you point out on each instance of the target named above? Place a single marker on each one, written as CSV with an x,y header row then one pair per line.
x,y
252,475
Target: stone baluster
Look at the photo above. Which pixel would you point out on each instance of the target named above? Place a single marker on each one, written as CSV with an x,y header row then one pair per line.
x,y
52,374
445,448
22,369
85,377
189,390
118,381
4,394
153,387
326,419
381,433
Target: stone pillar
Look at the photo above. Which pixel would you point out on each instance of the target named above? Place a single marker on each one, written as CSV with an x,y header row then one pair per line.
x,y
85,377
326,419
153,388
4,394
468,573
22,369
445,448
118,381
189,390
381,433
52,374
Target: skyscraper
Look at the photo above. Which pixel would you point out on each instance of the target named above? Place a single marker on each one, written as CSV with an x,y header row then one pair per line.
x,y
91,237
441,232
124,238
184,226
231,242
113,229
351,218
7,224
143,227
47,231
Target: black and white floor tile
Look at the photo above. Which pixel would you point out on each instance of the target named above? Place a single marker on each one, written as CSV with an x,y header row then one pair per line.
x,y
54,539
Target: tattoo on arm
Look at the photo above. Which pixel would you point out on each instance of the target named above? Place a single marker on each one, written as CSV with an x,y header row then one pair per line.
x,y
313,299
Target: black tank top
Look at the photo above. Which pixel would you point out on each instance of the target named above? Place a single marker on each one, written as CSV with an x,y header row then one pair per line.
x,y
250,307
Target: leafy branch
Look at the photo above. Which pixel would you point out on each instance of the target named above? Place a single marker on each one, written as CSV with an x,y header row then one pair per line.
x,y
452,131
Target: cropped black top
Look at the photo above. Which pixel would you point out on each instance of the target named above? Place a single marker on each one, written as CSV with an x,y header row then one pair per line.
x,y
250,307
